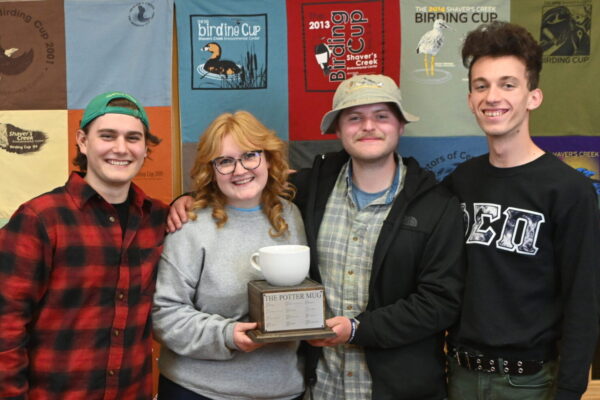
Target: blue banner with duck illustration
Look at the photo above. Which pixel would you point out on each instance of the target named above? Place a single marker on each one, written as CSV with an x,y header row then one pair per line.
x,y
229,52
232,56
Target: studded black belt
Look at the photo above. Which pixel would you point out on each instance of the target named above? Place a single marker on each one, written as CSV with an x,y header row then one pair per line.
x,y
478,362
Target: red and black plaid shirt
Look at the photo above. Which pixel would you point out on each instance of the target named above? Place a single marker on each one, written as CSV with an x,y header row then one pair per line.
x,y
75,296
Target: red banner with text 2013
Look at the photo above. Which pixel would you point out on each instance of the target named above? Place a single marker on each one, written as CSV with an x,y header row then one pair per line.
x,y
329,42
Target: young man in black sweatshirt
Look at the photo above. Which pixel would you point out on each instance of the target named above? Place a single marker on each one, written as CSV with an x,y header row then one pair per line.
x,y
529,320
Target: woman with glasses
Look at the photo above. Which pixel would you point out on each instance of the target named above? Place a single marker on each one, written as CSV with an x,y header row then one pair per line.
x,y
241,203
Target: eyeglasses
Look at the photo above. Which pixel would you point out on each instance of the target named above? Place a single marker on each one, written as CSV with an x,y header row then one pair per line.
x,y
226,165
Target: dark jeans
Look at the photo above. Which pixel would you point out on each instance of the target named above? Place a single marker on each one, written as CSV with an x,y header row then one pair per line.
x,y
464,384
169,390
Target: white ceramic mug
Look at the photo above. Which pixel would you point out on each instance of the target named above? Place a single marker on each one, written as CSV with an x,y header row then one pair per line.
x,y
283,265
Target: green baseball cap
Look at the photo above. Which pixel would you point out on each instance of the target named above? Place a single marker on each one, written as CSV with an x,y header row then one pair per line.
x,y
362,90
98,106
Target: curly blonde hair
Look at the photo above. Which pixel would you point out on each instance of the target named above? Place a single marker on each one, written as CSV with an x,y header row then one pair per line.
x,y
250,134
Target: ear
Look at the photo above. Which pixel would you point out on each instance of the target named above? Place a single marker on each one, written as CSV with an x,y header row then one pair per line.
x,y
401,128
471,107
535,99
81,138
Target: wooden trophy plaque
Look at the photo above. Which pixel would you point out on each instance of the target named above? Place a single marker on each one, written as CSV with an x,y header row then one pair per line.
x,y
287,313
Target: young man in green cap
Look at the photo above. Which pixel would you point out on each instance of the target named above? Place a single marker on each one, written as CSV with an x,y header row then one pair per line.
x,y
77,267
386,243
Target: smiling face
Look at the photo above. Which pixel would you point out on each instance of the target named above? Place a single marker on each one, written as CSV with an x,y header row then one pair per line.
x,y
370,133
500,97
115,148
242,188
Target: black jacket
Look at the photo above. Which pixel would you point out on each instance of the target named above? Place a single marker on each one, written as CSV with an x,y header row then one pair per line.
x,y
416,280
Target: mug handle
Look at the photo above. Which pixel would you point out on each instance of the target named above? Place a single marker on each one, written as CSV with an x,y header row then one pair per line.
x,y
254,263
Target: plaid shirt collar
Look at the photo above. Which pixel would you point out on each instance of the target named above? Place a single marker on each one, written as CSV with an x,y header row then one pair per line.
x,y
392,191
81,192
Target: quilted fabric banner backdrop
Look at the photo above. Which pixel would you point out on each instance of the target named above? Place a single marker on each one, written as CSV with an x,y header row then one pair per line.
x,y
580,152
119,45
32,55
33,119
108,45
433,79
128,47
33,155
441,155
569,77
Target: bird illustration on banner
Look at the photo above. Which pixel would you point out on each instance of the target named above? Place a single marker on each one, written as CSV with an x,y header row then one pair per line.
x,y
431,43
11,64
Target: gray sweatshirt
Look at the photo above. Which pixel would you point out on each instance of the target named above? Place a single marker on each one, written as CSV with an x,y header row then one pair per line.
x,y
201,293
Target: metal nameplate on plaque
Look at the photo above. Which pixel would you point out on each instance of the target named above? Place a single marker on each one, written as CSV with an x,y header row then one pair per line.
x,y
285,311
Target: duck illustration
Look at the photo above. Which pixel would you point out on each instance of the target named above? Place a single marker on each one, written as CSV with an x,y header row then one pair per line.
x,y
431,43
11,65
217,66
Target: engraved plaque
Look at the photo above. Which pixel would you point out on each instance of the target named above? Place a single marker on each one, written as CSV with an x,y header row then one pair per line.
x,y
302,309
287,312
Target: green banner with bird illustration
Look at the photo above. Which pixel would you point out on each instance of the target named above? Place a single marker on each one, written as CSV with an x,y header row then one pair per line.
x,y
432,77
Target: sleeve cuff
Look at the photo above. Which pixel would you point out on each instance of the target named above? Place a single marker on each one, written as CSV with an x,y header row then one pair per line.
x,y
229,337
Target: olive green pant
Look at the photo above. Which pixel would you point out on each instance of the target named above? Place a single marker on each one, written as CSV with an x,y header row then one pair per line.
x,y
464,384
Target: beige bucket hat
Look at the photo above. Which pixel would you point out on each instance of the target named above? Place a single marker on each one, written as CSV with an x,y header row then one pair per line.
x,y
361,90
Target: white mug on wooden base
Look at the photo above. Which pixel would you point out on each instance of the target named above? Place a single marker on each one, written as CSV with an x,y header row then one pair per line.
x,y
283,265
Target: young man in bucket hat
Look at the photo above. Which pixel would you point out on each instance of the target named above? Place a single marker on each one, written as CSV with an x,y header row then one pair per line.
x,y
386,243
77,267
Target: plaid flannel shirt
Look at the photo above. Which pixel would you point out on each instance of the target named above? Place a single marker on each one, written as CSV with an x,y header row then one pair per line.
x,y
346,243
76,296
